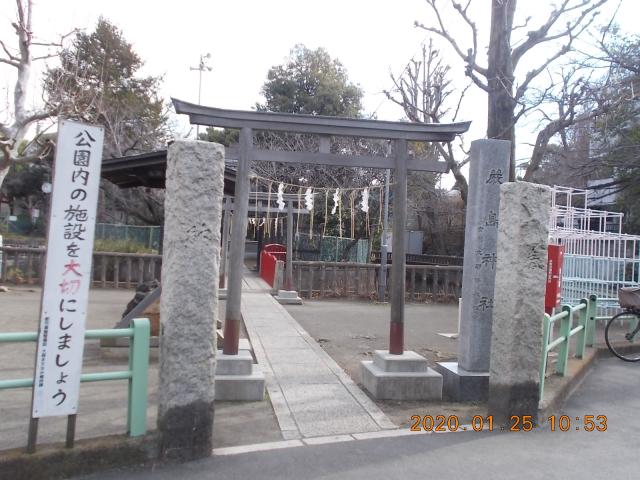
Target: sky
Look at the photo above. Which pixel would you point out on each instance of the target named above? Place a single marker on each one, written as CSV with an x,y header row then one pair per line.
x,y
246,37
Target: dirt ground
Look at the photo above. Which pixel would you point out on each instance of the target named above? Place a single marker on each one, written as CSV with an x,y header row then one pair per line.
x,y
349,331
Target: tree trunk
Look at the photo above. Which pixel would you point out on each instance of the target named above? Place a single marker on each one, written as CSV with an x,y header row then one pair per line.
x,y
500,121
4,171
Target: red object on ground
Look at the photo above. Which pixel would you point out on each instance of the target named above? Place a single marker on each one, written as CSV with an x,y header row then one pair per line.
x,y
268,257
554,277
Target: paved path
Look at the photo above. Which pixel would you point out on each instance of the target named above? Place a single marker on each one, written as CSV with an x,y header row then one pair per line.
x,y
612,389
311,395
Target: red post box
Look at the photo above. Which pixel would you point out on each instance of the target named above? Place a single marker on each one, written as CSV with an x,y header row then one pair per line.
x,y
554,277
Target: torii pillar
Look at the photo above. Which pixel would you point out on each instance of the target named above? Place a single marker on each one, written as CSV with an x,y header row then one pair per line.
x,y
396,374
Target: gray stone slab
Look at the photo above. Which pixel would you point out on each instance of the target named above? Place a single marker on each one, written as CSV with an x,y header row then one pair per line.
x,y
296,357
291,373
189,303
282,345
280,342
459,385
326,409
489,168
519,307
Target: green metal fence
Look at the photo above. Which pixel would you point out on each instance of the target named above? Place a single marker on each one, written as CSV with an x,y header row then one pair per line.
x,y
149,236
137,374
330,249
582,330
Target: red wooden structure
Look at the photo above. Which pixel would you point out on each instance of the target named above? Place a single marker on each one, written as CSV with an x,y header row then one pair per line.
x,y
268,257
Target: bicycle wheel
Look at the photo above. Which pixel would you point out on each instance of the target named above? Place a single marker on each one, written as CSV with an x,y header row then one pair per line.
x,y
622,335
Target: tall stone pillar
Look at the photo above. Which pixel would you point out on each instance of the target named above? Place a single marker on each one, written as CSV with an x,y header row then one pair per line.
x,y
516,341
468,378
189,304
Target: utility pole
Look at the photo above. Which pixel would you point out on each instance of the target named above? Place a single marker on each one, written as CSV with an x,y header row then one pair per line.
x,y
382,279
201,68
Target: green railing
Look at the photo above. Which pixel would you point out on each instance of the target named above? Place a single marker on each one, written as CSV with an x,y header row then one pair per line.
x,y
586,311
137,374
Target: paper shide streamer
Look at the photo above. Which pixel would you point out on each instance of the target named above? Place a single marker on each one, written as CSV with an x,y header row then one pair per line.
x,y
336,201
280,199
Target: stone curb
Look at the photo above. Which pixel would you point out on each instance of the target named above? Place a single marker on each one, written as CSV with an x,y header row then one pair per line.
x,y
53,461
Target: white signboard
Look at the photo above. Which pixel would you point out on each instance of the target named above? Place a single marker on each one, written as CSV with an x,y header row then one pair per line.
x,y
68,269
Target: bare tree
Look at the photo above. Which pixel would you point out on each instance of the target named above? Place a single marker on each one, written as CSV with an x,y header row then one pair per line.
x,y
14,130
423,90
507,95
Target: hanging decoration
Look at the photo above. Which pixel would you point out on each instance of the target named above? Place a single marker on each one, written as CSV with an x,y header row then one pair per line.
x,y
268,229
352,211
364,203
308,200
339,215
280,200
336,201
326,213
299,209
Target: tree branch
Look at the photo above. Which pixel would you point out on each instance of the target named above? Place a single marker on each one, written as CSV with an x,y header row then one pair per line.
x,y
541,35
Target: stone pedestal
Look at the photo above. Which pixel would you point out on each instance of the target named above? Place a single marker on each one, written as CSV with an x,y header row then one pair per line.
x,y
489,168
238,378
288,297
516,342
189,304
401,377
460,385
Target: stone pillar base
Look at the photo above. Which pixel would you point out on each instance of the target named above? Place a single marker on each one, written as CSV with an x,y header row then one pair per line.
x,y
238,378
288,297
459,385
401,377
186,431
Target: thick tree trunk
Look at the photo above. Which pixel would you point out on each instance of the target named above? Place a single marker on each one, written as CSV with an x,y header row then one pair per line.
x,y
500,121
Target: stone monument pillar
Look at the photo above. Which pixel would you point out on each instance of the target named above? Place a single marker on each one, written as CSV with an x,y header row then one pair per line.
x,y
468,378
516,341
189,303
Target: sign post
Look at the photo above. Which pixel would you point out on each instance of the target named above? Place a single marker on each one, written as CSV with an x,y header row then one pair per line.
x,y
554,278
68,273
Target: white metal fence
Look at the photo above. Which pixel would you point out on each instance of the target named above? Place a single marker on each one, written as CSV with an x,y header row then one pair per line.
x,y
599,258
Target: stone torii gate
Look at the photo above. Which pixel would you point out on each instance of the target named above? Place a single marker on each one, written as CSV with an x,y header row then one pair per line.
x,y
379,378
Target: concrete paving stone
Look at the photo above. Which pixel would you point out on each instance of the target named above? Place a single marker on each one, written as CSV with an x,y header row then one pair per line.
x,y
270,331
290,343
326,409
300,374
297,357
309,392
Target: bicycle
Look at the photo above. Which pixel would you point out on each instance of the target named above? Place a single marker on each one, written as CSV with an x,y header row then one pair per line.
x,y
622,340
